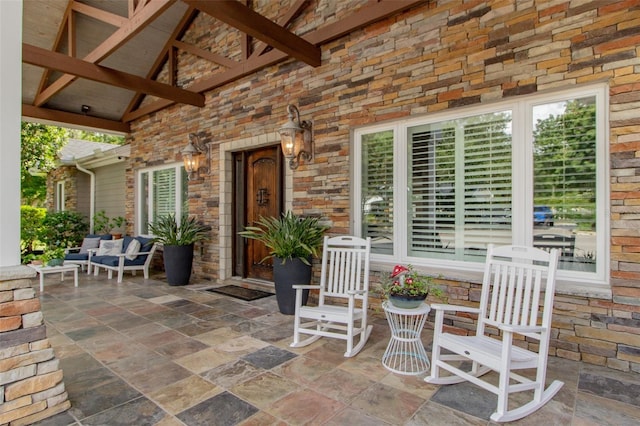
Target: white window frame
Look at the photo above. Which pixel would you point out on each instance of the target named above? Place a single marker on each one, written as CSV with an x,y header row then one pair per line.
x,y
522,173
60,196
179,169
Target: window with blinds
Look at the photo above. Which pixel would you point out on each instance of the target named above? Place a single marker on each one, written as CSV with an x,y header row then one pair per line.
x,y
459,181
162,191
529,171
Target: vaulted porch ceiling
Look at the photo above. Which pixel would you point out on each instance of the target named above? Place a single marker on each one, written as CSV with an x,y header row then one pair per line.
x,y
108,54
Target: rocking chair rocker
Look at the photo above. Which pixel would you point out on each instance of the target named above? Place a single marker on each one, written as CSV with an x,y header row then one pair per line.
x,y
344,283
514,279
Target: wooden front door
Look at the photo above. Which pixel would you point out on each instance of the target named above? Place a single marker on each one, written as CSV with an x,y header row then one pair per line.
x,y
262,197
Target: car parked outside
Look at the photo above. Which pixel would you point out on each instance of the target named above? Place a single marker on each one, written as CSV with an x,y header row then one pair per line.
x,y
542,216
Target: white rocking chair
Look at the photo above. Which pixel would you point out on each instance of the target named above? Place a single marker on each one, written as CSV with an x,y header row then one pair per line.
x,y
344,289
514,278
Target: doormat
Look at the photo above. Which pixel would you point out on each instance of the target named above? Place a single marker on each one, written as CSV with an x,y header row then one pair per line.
x,y
240,292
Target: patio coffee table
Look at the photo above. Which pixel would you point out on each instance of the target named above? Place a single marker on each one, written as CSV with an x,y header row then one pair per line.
x,y
405,352
43,270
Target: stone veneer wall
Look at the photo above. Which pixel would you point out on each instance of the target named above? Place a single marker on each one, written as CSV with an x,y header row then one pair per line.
x,y
434,57
31,386
69,175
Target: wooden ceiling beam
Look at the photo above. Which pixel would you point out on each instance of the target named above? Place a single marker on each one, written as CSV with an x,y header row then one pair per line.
x,y
283,21
99,14
56,116
188,17
250,22
205,54
366,15
78,68
134,25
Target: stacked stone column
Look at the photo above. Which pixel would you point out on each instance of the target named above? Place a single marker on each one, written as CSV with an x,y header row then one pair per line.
x,y
31,385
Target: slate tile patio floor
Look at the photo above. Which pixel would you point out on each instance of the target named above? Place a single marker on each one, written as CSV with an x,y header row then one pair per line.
x,y
145,353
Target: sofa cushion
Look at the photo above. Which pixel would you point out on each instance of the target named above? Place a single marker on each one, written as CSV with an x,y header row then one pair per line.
x,y
132,249
113,260
110,247
89,243
145,243
76,256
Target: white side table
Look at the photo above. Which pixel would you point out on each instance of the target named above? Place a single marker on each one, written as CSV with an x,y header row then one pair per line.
x,y
405,352
43,270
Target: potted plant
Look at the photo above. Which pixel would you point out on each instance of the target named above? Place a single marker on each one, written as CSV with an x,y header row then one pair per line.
x,y
406,289
103,224
53,257
117,222
292,241
178,239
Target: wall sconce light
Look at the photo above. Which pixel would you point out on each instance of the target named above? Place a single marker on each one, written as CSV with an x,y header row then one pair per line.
x,y
296,138
191,156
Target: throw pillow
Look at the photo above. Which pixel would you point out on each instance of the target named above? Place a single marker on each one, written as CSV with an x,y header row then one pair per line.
x,y
132,249
89,243
110,247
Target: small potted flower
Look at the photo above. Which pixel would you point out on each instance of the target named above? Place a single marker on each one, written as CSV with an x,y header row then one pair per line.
x,y
406,289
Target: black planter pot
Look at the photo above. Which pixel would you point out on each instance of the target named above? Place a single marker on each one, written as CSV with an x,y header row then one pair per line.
x,y
285,276
178,261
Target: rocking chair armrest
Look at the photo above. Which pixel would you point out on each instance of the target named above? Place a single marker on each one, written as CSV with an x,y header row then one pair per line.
x,y
445,307
354,292
521,329
305,287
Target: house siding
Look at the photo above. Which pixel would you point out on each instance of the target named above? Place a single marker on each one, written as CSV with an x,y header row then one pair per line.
x,y
439,56
110,189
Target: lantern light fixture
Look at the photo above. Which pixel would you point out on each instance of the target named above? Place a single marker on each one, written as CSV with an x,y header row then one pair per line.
x,y
296,138
192,155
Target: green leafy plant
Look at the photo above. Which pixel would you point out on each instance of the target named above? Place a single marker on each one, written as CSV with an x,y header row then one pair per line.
x,y
169,232
103,224
53,256
406,281
289,236
63,229
31,220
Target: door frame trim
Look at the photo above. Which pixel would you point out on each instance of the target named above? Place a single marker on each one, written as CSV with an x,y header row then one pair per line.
x,y
225,237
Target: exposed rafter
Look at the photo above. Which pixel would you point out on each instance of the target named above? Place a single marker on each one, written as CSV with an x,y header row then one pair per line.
x,y
364,16
78,68
250,22
238,14
133,26
57,116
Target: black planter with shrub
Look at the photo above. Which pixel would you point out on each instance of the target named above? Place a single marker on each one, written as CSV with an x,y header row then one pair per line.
x,y
292,241
178,240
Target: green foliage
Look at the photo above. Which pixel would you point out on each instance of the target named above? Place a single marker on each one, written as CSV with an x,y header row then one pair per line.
x,y
39,146
96,137
51,254
565,165
169,232
31,221
289,236
63,229
103,224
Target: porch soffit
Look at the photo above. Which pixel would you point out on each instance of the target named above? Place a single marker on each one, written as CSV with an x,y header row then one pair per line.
x,y
110,54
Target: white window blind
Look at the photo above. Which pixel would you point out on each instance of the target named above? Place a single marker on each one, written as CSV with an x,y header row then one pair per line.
x,y
530,171
459,186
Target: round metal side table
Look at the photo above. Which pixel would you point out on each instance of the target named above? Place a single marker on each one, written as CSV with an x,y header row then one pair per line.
x,y
405,352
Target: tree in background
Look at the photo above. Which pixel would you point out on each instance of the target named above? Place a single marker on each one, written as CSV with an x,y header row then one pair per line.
x,y
40,144
95,137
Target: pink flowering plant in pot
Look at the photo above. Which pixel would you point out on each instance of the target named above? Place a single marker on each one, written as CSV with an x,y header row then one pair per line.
x,y
406,288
